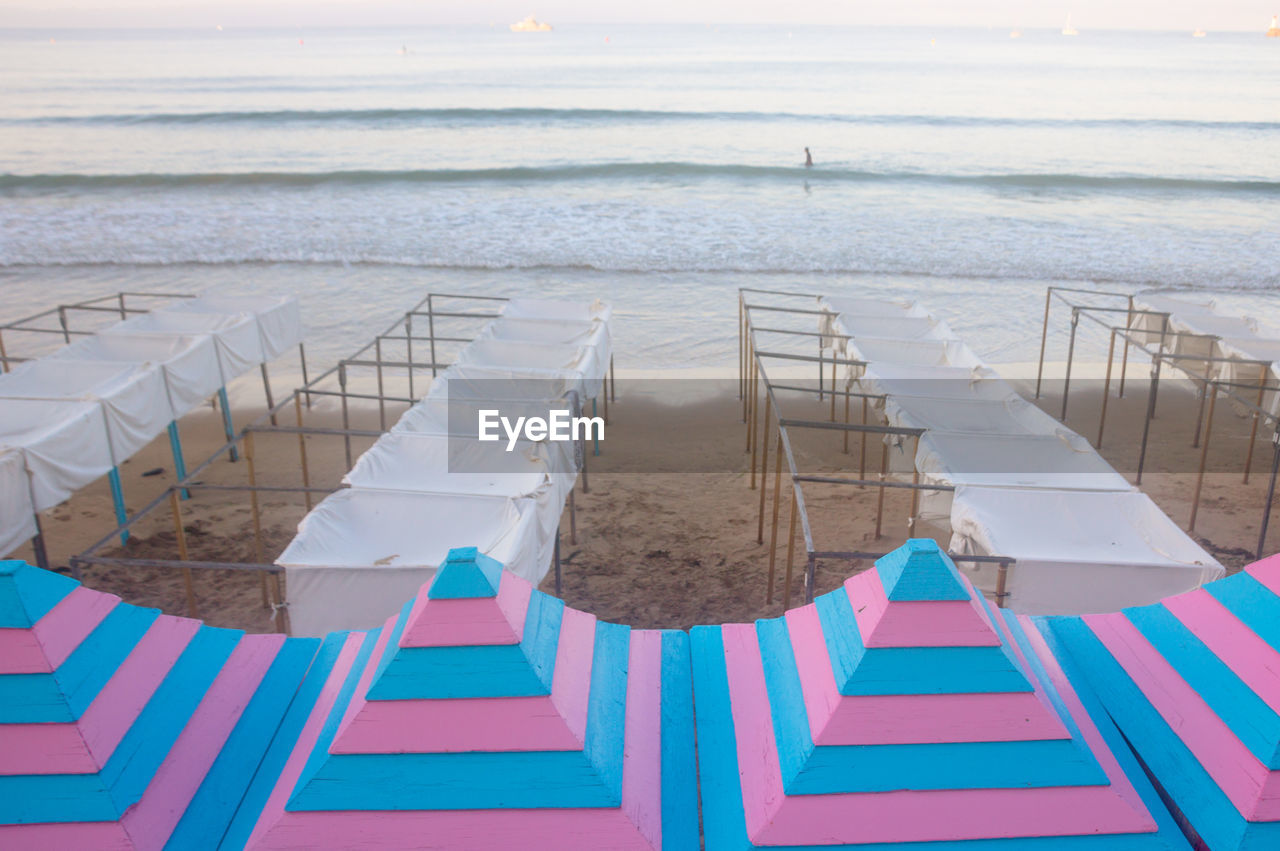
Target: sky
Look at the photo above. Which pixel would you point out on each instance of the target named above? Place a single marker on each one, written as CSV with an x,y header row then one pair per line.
x,y
1084,14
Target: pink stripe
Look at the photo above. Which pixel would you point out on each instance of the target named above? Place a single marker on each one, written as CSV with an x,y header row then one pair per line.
x,y
835,719
1249,657
642,749
1252,789
551,723
116,707
98,835
44,749
475,830
357,706
773,818
1267,572
41,649
151,821
935,623
461,623
274,808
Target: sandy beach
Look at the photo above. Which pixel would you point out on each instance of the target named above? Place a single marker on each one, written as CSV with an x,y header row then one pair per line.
x,y
670,548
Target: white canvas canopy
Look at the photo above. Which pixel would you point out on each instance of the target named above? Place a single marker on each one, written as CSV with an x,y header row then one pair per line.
x,y
17,514
843,312
567,332
439,464
936,382
913,352
63,443
542,308
279,318
189,363
501,383
1011,415
132,396
360,554
235,335
518,357
1063,461
1078,551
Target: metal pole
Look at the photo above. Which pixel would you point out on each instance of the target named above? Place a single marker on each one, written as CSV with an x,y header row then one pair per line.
x,y
258,550
124,314
408,338
1164,330
1106,389
884,468
1204,391
1002,580
1124,359
266,389
1204,455
228,427
613,380
768,402
1253,431
382,404
751,406
346,417
1151,412
1271,490
810,570
117,498
181,536
833,388
764,469
741,344
1071,350
431,332
791,550
306,382
302,450
37,544
862,462
4,357
1044,337
777,501
846,422
820,373
179,465
573,520
559,591
62,320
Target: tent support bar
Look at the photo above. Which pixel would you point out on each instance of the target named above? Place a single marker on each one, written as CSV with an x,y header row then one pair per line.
x,y
37,544
1204,455
559,592
117,498
227,426
179,465
1271,491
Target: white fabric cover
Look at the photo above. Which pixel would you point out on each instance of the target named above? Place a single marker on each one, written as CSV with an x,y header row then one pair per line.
x,y
279,317
893,327
481,382
1011,415
17,514
236,336
1077,551
64,444
843,311
594,335
936,382
132,396
519,356
542,308
1064,461
431,416
361,554
913,352
190,363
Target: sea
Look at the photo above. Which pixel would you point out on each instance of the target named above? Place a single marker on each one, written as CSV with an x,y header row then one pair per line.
x,y
659,168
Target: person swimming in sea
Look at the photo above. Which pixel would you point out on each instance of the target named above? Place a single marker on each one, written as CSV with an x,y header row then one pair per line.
x,y
808,159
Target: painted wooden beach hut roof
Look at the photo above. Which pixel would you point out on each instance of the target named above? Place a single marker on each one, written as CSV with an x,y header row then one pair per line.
x,y
121,727
1194,684
902,708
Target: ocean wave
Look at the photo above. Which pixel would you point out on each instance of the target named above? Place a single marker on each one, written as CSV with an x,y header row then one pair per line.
x,y
642,171
517,115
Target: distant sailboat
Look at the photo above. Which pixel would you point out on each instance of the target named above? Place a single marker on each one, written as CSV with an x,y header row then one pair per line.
x,y
530,25
1015,34
1199,33
1274,30
1068,29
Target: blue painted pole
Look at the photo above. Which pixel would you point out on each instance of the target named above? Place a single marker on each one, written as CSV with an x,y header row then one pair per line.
x,y
117,497
227,425
179,465
595,432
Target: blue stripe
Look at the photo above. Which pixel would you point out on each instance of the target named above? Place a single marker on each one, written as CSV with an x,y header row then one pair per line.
x,y
1250,719
910,670
27,593
1254,604
282,744
607,705
215,802
503,670
65,694
679,760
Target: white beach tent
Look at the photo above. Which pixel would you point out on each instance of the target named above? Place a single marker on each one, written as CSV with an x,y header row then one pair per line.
x,y
360,554
133,398
564,332
279,318
543,308
17,514
64,445
189,363
915,352
235,335
520,356
442,464
1077,551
